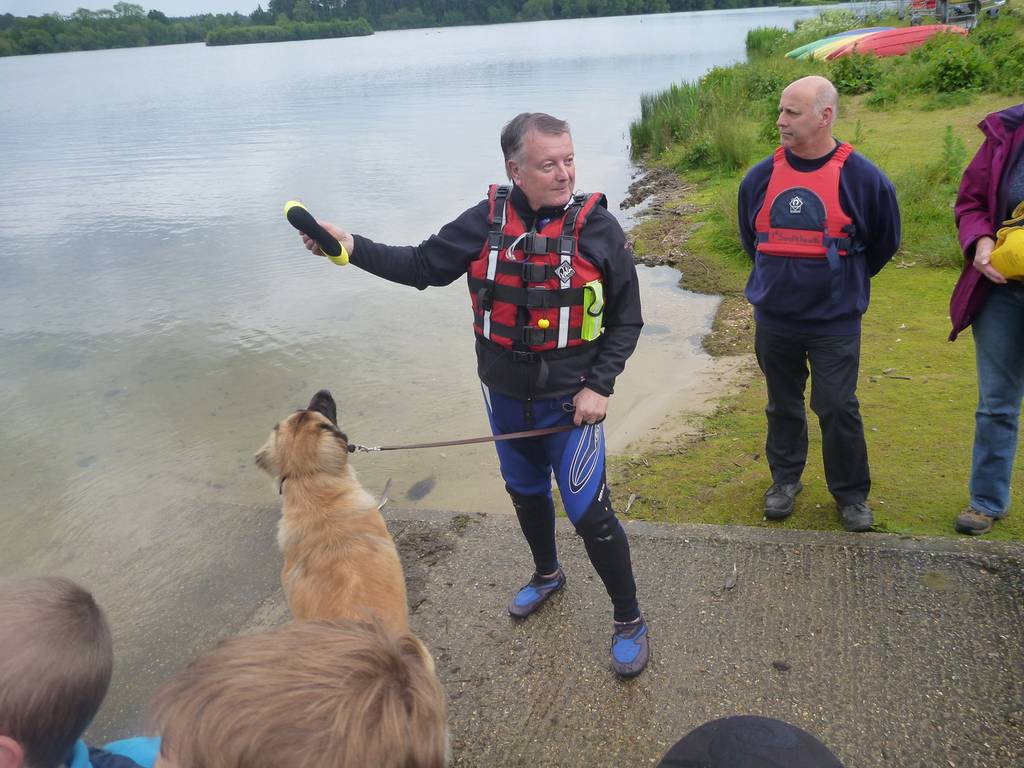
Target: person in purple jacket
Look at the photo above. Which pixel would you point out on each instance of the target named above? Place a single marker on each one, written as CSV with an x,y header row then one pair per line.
x,y
819,221
992,186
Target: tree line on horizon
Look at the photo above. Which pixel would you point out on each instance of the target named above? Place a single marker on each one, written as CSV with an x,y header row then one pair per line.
x,y
408,14
128,25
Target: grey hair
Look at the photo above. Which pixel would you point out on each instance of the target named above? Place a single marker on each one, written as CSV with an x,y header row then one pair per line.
x,y
513,135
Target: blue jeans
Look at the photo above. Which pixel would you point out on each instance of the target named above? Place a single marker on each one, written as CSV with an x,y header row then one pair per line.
x,y
999,349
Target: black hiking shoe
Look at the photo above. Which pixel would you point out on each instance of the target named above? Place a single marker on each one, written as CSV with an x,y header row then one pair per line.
x,y
856,518
780,499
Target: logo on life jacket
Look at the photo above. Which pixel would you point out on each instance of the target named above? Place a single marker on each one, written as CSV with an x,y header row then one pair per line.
x,y
795,205
565,272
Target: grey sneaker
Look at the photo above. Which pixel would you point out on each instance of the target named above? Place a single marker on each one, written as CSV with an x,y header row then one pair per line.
x,y
973,522
857,517
780,499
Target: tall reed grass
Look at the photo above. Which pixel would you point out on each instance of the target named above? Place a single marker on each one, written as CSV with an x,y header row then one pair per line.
x,y
720,122
764,41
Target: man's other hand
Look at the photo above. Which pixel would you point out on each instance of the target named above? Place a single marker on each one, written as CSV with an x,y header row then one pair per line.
x,y
590,407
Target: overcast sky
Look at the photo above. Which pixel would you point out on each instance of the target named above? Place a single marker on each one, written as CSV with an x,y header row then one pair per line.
x,y
170,7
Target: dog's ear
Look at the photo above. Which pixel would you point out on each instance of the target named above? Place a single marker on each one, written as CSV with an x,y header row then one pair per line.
x,y
322,402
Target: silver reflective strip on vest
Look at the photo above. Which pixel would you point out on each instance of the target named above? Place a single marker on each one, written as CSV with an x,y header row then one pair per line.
x,y
492,268
563,312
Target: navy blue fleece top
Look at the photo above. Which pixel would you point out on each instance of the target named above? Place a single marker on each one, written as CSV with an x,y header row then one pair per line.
x,y
794,295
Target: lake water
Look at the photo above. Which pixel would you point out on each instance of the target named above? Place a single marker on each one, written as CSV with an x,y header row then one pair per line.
x,y
158,315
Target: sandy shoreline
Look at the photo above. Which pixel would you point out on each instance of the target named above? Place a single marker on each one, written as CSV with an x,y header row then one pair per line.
x,y
675,409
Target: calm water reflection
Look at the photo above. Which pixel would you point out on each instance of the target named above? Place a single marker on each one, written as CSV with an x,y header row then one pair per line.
x,y
157,314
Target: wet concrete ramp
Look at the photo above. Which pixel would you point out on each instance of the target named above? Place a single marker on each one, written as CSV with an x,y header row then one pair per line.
x,y
892,651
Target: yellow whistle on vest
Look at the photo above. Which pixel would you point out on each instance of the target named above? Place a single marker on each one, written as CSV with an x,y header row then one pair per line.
x,y
543,323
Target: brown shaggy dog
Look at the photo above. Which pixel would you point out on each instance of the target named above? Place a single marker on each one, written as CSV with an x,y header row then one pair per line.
x,y
339,559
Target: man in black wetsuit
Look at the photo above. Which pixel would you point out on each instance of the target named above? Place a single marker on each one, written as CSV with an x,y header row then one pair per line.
x,y
556,313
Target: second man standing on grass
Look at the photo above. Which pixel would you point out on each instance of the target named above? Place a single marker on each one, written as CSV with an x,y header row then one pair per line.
x,y
819,221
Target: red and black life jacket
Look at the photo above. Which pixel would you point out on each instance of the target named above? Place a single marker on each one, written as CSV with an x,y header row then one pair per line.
x,y
521,278
802,217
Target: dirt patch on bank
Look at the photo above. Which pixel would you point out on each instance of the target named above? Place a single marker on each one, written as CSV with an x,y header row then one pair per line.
x,y
665,224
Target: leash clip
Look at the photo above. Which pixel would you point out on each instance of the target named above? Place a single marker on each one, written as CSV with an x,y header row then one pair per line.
x,y
356,448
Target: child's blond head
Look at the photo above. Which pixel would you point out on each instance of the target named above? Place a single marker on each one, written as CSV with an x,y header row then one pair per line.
x,y
311,693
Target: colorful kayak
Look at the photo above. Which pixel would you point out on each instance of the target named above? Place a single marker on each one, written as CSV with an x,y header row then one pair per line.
x,y
894,42
798,53
825,49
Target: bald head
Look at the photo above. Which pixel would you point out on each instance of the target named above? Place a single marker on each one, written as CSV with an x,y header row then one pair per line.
x,y
807,110
819,91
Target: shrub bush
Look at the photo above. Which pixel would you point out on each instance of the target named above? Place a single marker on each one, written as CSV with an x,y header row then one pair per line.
x,y
996,33
698,153
855,73
1008,66
952,63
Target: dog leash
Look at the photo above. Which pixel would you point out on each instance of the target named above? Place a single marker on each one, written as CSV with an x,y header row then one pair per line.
x,y
356,448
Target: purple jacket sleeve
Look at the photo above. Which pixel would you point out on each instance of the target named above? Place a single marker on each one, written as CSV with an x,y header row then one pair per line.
x,y
973,217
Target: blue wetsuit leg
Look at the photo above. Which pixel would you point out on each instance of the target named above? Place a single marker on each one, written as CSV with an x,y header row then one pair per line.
x,y
527,473
577,458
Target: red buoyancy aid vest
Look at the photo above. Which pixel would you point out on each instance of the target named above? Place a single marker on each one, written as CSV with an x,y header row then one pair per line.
x,y
522,278
801,216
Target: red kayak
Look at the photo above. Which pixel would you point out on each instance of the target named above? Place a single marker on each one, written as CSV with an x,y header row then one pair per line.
x,y
894,42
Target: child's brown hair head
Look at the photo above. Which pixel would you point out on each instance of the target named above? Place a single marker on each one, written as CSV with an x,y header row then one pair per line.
x,y
56,658
311,693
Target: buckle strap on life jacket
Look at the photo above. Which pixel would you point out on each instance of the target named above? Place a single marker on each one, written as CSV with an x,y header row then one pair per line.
x,y
497,224
531,298
532,243
572,212
501,195
531,336
835,270
527,271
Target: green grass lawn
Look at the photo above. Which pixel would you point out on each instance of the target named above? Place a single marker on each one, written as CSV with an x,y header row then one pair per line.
x,y
917,390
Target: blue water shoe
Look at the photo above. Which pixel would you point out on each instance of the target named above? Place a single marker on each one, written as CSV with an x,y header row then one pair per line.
x,y
630,648
532,596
